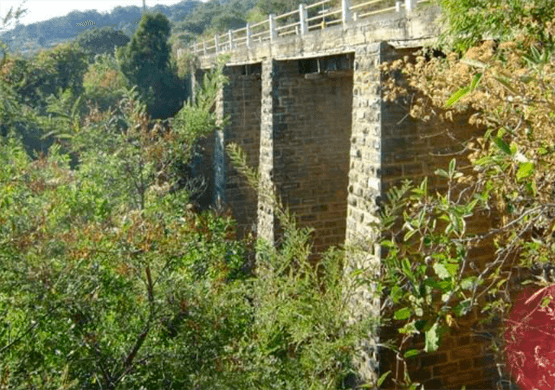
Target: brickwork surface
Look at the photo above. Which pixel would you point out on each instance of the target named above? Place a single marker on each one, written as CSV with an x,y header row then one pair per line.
x,y
243,108
364,190
311,150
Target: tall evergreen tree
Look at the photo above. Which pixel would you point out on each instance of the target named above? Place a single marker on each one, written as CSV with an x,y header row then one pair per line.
x,y
145,61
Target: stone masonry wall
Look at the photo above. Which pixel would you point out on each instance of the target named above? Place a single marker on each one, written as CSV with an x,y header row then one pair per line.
x,y
266,218
387,147
364,190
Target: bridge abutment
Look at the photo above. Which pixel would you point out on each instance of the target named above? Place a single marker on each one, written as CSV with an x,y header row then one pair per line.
x,y
322,136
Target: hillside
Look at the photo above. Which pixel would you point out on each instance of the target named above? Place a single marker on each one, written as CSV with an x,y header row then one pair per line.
x,y
189,19
27,39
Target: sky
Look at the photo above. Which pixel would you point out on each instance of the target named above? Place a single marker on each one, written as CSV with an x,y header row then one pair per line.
x,y
39,10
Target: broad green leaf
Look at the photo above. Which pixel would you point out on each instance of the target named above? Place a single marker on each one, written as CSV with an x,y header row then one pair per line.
x,y
409,234
396,293
546,301
405,267
432,339
468,283
502,145
409,328
441,172
524,170
452,166
462,308
475,81
388,244
402,314
452,268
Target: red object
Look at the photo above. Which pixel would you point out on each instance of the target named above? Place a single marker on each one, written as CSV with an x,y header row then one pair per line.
x,y
530,339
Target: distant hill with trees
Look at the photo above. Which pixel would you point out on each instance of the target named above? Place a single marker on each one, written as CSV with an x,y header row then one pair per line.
x,y
189,19
27,39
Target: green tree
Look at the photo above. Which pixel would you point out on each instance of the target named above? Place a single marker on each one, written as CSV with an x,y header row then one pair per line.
x,y
128,287
101,40
65,65
30,82
145,61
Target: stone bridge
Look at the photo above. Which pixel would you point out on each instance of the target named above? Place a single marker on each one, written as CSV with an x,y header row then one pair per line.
x,y
305,103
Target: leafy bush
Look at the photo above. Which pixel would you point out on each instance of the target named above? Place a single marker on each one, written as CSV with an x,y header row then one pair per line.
x,y
108,279
103,82
505,88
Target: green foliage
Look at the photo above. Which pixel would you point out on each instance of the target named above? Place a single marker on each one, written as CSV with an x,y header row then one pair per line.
x,y
66,65
104,82
108,297
36,78
28,86
302,337
468,22
145,62
101,40
201,17
430,276
105,280
108,280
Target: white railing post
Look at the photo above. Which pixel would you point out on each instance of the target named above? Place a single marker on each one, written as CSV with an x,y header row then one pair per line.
x,y
398,6
346,11
303,16
249,35
231,45
410,5
217,43
273,32
204,47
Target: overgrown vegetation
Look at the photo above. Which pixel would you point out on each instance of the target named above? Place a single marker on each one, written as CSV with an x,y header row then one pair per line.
x,y
507,86
110,280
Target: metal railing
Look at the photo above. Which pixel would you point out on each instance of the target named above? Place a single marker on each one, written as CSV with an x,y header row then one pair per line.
x,y
297,22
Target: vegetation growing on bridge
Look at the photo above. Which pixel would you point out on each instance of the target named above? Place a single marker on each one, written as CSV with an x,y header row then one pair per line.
x,y
499,67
